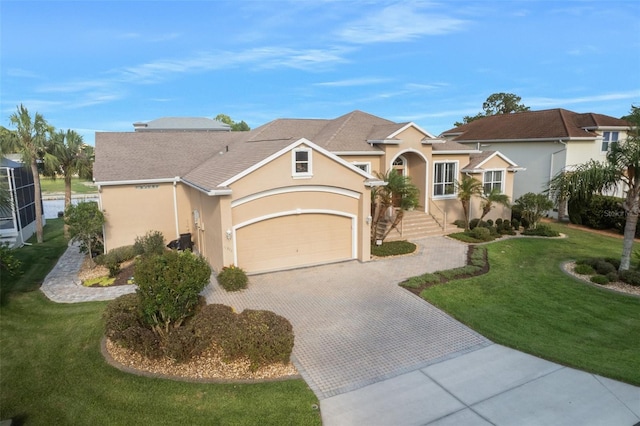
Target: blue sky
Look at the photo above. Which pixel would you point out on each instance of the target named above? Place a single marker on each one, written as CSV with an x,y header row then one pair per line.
x,y
101,66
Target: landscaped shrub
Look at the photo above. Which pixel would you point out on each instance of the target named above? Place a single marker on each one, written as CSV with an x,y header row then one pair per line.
x,y
478,256
421,280
393,248
516,224
180,344
266,337
603,267
583,269
499,221
142,340
115,257
541,231
630,277
460,223
481,233
232,278
506,229
212,323
152,243
600,279
169,287
474,223
463,271
489,222
613,277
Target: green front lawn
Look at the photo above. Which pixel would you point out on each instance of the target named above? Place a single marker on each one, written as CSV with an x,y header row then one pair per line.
x,y
526,302
52,372
78,186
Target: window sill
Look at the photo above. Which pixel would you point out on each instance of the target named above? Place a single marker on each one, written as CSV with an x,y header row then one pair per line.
x,y
445,197
302,176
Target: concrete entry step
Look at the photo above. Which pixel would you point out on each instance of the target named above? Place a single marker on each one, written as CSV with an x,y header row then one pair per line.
x,y
415,225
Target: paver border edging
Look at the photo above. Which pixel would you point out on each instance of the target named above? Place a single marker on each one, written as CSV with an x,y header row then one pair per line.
x,y
204,380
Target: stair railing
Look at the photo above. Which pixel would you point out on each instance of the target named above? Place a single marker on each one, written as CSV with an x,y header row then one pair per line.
x,y
438,215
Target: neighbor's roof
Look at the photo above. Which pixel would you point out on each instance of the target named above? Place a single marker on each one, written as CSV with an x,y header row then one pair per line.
x,y
550,124
181,124
208,159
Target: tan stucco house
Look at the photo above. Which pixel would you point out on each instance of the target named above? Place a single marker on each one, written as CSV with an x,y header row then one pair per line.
x,y
544,142
291,193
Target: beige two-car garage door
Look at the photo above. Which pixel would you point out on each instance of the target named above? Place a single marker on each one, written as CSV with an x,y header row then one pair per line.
x,y
293,241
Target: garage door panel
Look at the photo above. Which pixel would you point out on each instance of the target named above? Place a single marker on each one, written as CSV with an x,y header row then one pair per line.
x,y
294,240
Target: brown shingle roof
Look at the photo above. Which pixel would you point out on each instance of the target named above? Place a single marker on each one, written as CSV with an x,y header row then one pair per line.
x,y
202,158
546,124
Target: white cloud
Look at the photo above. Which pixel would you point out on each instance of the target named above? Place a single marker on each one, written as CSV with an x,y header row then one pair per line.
x,y
633,95
363,81
398,23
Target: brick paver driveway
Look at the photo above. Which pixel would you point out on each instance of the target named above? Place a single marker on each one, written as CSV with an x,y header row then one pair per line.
x,y
353,324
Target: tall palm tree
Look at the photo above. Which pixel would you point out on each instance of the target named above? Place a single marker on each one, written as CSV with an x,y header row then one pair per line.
x,y
29,140
468,187
73,157
386,216
622,166
489,200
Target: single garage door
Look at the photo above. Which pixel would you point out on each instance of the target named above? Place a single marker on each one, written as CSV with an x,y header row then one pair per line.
x,y
293,241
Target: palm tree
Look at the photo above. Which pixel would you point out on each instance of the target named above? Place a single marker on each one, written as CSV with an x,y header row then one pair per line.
x,y
386,216
622,166
489,200
29,140
467,188
73,156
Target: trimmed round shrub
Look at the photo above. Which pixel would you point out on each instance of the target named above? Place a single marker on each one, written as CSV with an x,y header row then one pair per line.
x,y
460,223
499,221
516,224
151,243
180,344
583,269
232,278
489,222
613,277
212,323
143,341
600,279
169,287
540,231
603,267
480,233
262,336
614,262
630,277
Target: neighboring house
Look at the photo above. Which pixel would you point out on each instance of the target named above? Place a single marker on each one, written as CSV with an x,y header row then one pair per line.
x,y
544,142
17,220
291,193
179,124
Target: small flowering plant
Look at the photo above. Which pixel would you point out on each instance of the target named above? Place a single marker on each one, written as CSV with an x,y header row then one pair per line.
x,y
232,278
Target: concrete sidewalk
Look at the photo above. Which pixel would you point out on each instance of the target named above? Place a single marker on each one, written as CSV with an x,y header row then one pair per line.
x,y
491,386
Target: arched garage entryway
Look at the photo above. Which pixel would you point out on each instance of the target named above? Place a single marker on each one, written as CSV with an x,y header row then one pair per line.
x,y
295,239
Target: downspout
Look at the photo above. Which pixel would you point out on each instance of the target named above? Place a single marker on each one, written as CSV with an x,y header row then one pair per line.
x,y
175,205
554,153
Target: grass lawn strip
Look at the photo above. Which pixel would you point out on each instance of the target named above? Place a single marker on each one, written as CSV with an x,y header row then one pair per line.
x,y
528,303
52,371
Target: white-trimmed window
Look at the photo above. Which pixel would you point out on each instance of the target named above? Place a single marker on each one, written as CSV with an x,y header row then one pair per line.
x,y
366,167
607,139
493,179
301,162
444,179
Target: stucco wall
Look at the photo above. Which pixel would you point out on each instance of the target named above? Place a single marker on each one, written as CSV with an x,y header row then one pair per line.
x,y
133,210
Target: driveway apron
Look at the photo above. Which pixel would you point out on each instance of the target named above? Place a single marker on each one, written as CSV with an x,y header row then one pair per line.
x,y
354,325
